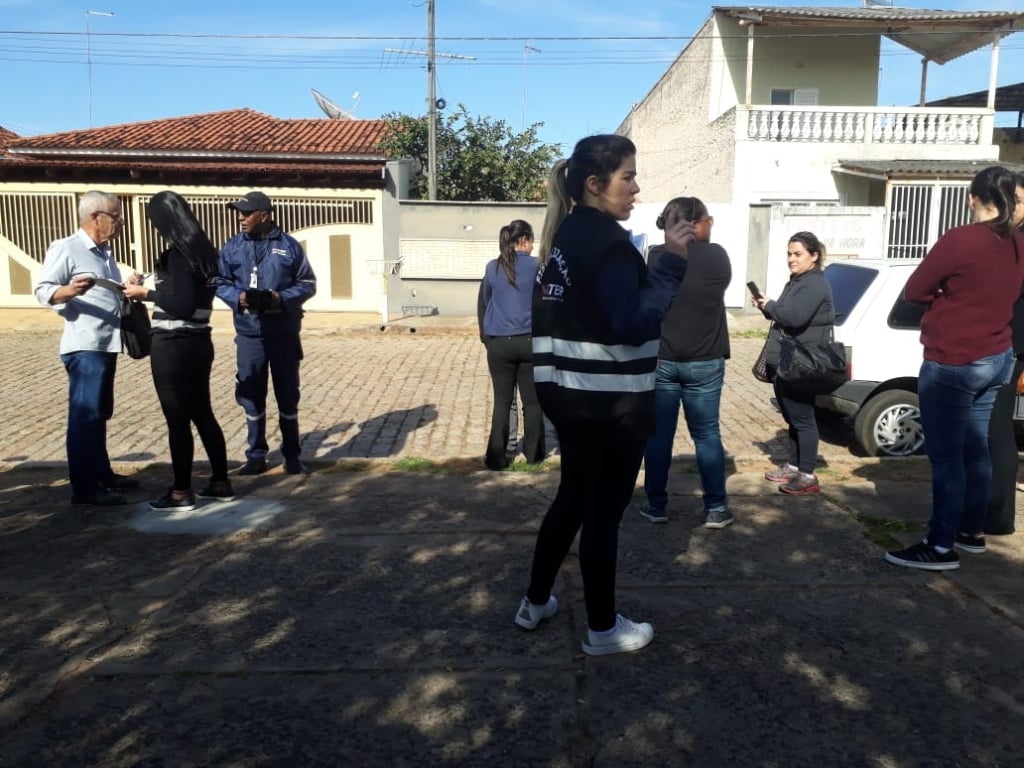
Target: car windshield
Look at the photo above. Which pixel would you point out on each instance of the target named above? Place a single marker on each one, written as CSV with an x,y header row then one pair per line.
x,y
848,285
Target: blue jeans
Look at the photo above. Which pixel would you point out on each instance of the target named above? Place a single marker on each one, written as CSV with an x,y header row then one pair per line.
x,y
698,386
956,404
90,405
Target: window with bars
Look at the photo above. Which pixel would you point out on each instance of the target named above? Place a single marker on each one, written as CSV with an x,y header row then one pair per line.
x,y
34,220
221,222
919,213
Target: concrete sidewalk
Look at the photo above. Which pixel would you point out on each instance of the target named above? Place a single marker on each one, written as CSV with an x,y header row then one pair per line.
x,y
362,615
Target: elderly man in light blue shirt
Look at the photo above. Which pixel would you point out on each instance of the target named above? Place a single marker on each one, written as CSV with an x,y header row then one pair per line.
x,y
80,282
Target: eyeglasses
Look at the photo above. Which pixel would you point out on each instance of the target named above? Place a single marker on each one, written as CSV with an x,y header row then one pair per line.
x,y
115,217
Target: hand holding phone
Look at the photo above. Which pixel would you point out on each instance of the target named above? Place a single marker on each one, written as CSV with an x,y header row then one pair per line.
x,y
754,290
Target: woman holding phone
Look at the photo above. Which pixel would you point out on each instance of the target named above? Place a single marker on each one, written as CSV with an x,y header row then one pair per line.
x,y
805,311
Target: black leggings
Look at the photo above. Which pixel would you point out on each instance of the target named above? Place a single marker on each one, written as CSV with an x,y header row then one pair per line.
x,y
510,362
599,469
181,362
798,411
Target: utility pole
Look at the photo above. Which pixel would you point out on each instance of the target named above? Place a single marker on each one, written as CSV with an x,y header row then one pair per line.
x,y
432,100
431,107
88,52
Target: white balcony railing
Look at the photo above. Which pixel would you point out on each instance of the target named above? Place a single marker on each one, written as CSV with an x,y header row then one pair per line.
x,y
865,125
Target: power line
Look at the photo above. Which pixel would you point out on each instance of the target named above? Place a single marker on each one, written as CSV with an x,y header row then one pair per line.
x,y
480,38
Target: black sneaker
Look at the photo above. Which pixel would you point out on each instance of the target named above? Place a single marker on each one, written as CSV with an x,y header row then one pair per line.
x,y
98,499
219,490
118,482
924,557
170,503
253,467
295,467
968,543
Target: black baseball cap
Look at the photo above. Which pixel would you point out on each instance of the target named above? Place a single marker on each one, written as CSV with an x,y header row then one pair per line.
x,y
252,201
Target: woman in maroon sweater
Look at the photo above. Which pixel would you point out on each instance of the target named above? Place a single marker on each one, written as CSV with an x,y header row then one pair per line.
x,y
969,280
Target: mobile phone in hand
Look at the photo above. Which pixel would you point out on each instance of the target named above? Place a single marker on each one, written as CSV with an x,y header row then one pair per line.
x,y
754,290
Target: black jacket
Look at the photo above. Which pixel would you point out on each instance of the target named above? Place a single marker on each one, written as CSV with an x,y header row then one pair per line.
x,y
804,310
597,314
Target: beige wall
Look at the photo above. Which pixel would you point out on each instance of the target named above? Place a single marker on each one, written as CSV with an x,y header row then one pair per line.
x,y
366,241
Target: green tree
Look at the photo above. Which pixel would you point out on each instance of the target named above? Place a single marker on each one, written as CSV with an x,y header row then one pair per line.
x,y
478,158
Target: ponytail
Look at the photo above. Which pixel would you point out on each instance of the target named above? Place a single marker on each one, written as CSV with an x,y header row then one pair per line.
x,y
508,238
597,156
558,208
507,254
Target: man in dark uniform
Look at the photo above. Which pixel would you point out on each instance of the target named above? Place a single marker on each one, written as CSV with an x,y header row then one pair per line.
x,y
265,279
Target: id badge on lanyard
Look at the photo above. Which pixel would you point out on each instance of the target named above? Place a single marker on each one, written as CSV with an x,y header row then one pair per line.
x,y
252,277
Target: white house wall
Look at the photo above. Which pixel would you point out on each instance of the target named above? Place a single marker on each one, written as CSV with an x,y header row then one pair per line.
x,y
678,151
803,171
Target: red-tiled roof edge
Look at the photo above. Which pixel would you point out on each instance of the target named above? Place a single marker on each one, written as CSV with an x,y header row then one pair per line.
x,y
6,137
237,131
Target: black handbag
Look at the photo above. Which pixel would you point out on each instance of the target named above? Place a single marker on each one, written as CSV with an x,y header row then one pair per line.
x,y
811,368
761,370
135,328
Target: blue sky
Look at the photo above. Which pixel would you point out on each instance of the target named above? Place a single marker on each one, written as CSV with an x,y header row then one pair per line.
x,y
575,87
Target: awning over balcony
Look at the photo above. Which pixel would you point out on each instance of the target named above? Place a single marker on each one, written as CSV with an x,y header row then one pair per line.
x,y
887,170
939,36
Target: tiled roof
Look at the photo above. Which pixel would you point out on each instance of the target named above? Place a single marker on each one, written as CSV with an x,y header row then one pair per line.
x,y
244,132
937,169
1009,98
6,137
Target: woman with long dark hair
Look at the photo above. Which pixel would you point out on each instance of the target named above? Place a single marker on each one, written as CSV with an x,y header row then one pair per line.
x,y
182,353
969,280
503,313
597,314
804,310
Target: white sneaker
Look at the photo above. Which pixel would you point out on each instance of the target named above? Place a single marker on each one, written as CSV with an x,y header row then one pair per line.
x,y
625,636
529,615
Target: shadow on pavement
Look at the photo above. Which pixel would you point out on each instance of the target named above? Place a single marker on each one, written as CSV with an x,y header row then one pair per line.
x,y
370,623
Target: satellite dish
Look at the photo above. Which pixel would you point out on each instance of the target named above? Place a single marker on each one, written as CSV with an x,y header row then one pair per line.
x,y
331,109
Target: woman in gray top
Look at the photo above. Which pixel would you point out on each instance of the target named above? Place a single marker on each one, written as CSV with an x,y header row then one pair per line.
x,y
806,312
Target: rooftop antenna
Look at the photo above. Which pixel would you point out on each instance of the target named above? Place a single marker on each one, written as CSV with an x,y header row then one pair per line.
x,y
332,110
88,52
527,49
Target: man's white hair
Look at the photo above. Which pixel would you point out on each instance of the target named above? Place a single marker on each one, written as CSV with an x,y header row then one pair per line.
x,y
94,201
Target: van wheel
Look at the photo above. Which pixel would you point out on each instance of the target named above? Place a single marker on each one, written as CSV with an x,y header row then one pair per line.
x,y
889,424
